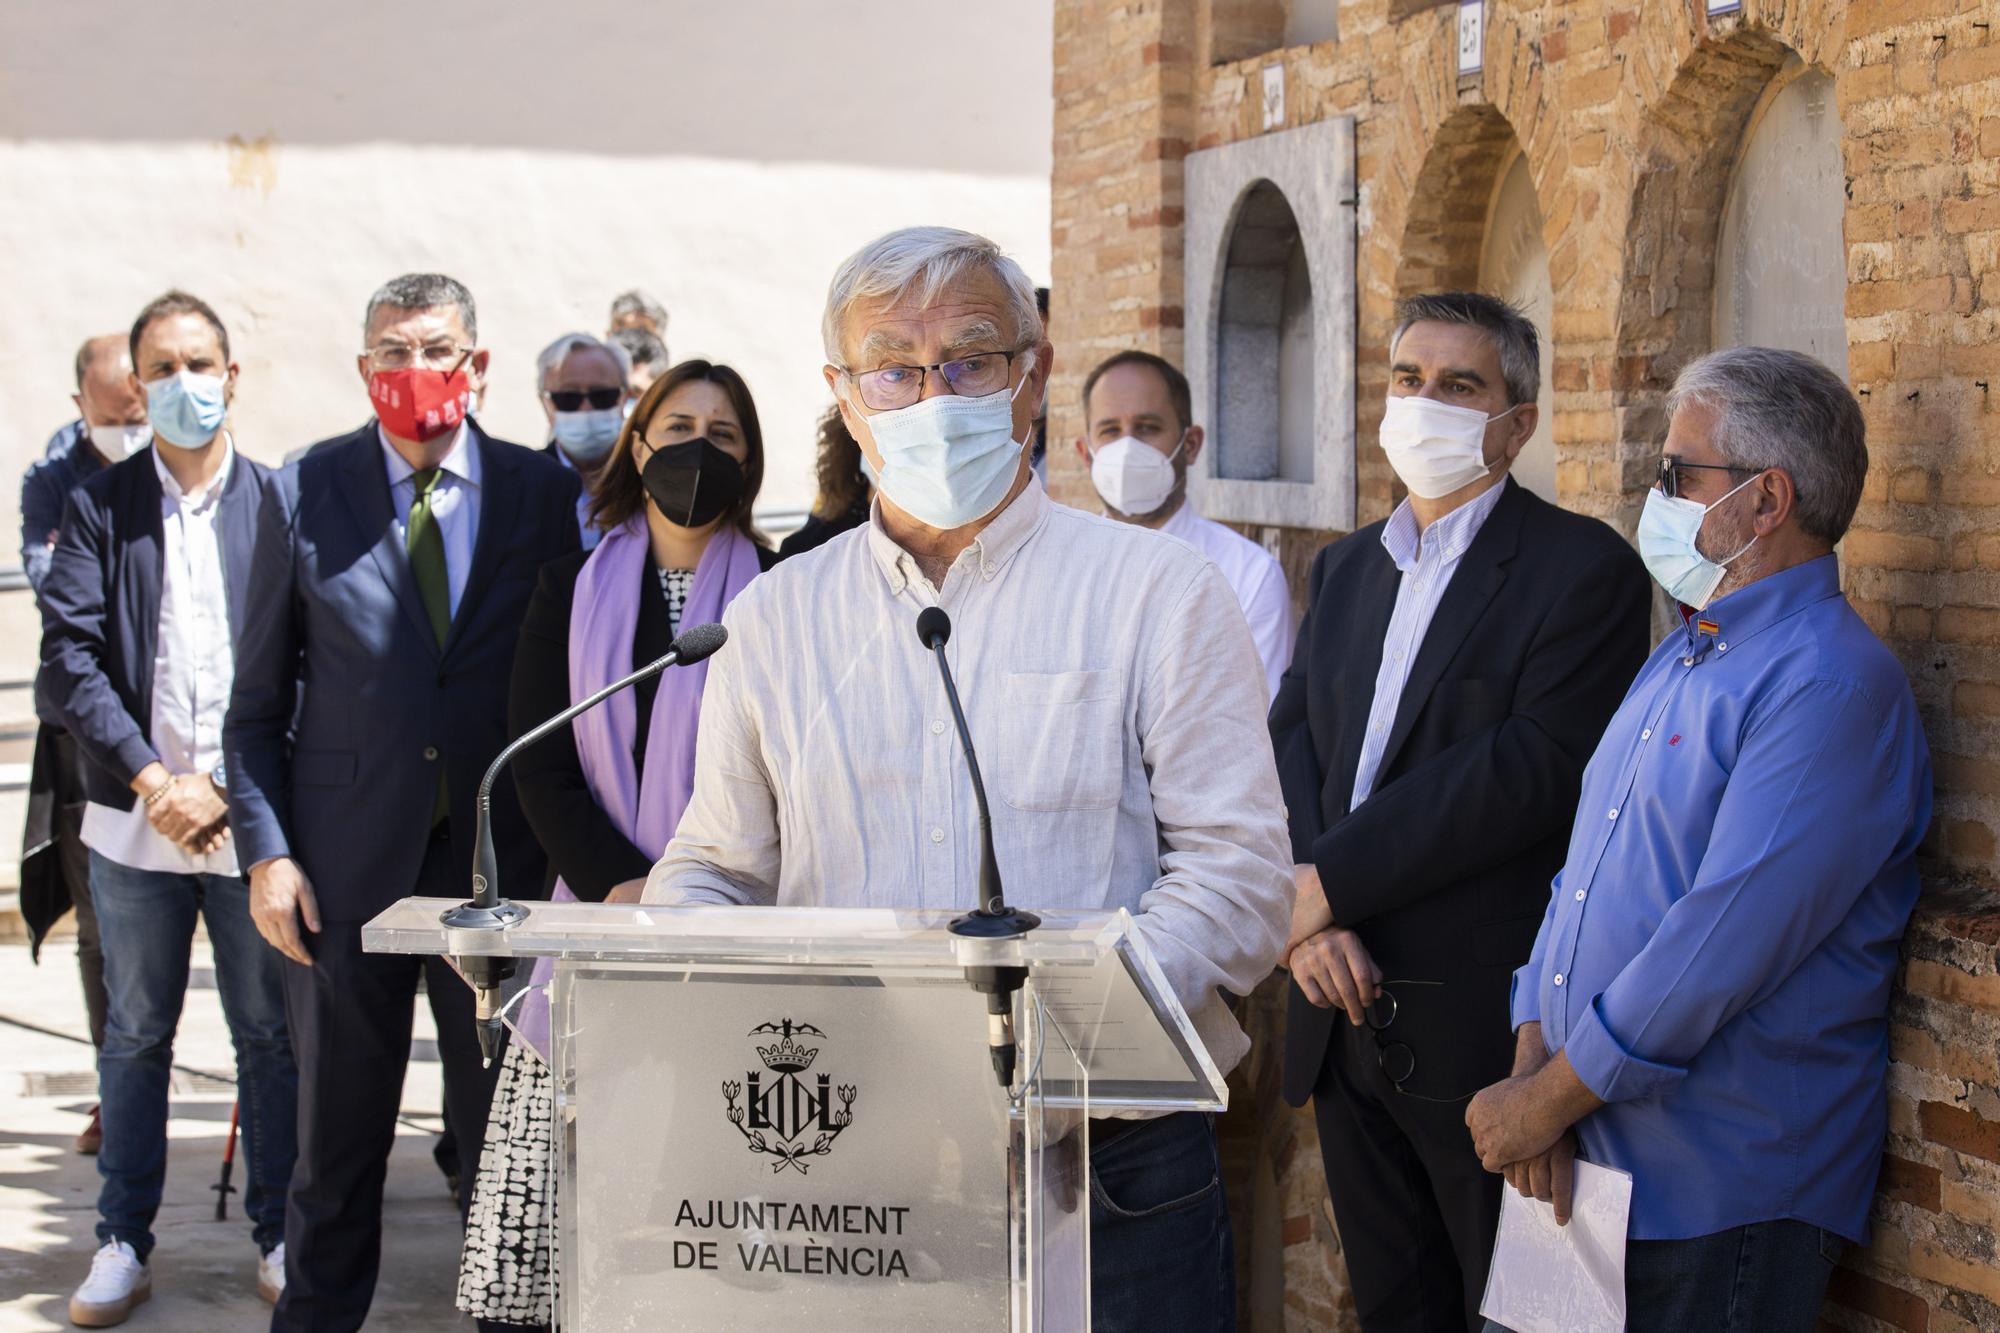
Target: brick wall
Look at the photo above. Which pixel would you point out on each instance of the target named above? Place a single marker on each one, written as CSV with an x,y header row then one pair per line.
x,y
1630,113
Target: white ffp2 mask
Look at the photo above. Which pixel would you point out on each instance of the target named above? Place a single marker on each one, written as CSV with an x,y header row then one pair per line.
x,y
1132,476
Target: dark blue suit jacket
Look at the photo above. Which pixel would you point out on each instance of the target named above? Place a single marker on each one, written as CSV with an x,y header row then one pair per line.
x,y
345,708
101,611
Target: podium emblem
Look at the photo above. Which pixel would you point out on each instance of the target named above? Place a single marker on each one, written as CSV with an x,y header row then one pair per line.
x,y
789,1111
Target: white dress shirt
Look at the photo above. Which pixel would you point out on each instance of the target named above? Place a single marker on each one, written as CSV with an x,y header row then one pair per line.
x,y
454,503
194,664
1428,562
1259,583
1111,691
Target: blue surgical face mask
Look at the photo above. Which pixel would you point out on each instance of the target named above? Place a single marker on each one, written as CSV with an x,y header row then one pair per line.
x,y
186,409
949,461
1668,529
587,436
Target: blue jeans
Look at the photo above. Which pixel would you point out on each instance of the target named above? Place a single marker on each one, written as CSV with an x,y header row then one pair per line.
x,y
1161,1250
1768,1277
146,919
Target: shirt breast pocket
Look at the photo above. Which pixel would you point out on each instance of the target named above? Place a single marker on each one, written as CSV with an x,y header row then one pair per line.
x,y
1063,745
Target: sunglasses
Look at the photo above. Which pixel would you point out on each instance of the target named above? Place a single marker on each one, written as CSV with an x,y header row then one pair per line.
x,y
572,400
1668,477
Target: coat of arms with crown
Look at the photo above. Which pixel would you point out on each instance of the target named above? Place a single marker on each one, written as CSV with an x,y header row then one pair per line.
x,y
789,1111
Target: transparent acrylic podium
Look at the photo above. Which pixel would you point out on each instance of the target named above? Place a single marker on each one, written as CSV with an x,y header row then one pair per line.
x,y
777,1117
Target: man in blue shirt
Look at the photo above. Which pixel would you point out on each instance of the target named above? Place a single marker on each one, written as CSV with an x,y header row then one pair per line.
x,y
1706,1005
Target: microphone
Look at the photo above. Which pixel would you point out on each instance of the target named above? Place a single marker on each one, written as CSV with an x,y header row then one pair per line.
x,y
487,910
992,919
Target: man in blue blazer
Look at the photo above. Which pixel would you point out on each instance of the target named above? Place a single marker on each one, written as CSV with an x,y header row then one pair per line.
x,y
145,597
393,567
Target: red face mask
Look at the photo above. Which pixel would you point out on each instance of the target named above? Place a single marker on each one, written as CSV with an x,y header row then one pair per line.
x,y
418,404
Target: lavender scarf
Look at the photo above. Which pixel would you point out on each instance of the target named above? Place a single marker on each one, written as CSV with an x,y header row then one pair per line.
x,y
604,616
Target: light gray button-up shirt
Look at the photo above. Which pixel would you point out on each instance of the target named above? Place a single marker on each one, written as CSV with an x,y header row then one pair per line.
x,y
1117,703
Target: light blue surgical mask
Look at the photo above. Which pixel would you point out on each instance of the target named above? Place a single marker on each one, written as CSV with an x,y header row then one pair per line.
x,y
587,435
949,461
186,409
1668,529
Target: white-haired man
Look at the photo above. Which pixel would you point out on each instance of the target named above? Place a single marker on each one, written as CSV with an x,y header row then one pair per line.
x,y
1121,715
586,389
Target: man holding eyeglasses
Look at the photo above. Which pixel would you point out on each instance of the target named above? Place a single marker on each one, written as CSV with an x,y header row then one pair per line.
x,y
1108,679
393,572
1707,1003
1456,666
586,388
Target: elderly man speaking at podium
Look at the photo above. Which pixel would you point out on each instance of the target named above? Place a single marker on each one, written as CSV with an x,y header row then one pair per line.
x,y
1108,679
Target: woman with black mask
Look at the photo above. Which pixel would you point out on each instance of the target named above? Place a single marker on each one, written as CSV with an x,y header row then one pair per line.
x,y
673,502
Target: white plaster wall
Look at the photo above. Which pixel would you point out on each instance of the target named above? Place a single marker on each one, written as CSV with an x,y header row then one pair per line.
x,y
281,161
1780,261
1515,264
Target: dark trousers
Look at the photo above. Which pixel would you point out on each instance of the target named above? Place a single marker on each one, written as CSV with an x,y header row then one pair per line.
x,y
1161,1251
1417,1213
1768,1277
350,1017
73,859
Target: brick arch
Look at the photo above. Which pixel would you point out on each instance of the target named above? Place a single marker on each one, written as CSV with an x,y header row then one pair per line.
x,y
1444,151
1688,146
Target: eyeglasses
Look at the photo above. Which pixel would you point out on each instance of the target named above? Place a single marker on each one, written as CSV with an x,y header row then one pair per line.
x,y
890,387
1668,479
1396,1060
446,356
572,400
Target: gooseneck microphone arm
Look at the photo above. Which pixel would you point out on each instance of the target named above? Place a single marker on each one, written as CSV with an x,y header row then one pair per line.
x,y
992,919
487,910
992,897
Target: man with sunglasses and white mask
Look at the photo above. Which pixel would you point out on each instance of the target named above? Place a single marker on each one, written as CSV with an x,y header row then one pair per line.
x,y
586,389
1455,668
1142,439
1707,1004
1108,681
394,566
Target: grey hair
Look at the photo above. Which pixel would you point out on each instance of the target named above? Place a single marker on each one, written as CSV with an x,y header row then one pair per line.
x,y
923,261
1513,333
636,302
423,291
1785,410
560,350
643,346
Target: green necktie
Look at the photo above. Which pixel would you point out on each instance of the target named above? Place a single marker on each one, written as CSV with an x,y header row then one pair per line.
x,y
424,541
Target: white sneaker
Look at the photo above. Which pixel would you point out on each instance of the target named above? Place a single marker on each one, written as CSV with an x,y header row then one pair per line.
x,y
271,1274
117,1283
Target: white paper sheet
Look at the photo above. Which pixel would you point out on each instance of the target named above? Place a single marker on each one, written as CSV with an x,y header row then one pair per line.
x,y
1554,1279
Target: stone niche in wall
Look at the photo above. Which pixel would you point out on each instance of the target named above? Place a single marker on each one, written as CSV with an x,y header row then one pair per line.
x,y
1270,326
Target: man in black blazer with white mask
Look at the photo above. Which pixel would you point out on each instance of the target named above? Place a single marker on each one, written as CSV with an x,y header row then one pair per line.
x,y
1455,668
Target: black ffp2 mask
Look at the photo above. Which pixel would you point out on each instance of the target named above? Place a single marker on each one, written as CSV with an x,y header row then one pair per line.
x,y
693,483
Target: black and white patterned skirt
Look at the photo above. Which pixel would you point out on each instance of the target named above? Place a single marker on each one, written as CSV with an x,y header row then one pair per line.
x,y
507,1270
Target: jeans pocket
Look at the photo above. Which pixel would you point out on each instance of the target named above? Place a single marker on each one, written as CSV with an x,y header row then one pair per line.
x,y
1154,1170
1831,1248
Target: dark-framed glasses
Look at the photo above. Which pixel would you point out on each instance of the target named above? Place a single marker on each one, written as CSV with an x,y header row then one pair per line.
x,y
441,355
1396,1059
887,388
572,400
1668,477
